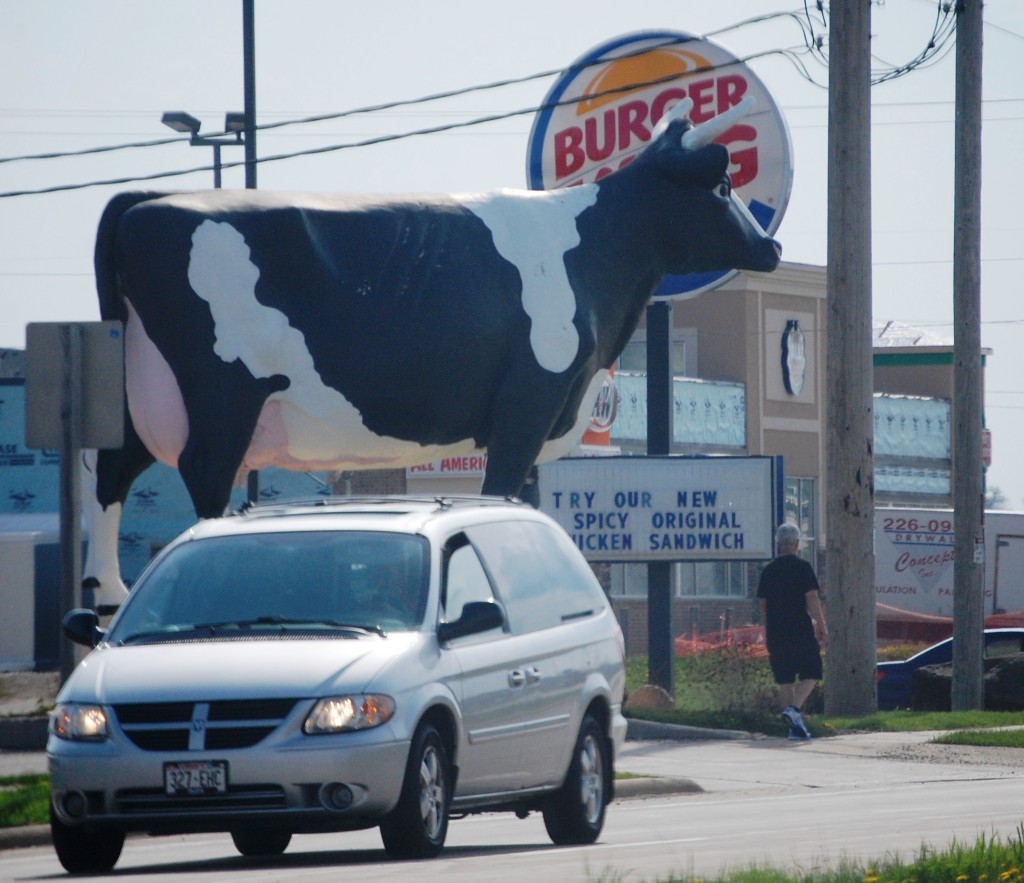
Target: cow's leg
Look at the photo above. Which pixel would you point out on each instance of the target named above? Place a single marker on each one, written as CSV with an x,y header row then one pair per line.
x,y
523,417
222,416
107,478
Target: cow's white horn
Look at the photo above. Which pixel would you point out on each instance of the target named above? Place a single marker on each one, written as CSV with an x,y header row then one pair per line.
x,y
707,132
678,110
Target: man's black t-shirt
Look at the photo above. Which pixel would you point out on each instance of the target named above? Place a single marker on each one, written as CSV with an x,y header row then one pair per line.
x,y
785,582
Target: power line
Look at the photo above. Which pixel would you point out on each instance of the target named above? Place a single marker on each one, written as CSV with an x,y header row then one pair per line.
x,y
813,45
380,139
372,108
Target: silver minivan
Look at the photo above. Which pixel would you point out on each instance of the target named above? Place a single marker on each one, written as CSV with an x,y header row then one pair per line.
x,y
342,664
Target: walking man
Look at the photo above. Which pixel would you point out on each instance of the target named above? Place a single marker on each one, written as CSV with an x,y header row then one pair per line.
x,y
794,626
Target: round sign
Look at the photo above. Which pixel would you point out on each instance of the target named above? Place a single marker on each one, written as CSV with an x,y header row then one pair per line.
x,y
599,115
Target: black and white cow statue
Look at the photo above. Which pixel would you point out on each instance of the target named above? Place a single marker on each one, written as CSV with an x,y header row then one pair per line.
x,y
324,331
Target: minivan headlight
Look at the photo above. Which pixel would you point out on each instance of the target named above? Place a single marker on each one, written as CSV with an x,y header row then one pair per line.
x,y
79,723
337,714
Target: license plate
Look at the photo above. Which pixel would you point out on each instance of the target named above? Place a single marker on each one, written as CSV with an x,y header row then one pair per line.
x,y
195,778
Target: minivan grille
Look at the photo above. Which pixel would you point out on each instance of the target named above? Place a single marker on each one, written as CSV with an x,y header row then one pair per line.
x,y
201,726
251,798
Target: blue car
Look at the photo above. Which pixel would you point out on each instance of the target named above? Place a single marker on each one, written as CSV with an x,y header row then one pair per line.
x,y
894,678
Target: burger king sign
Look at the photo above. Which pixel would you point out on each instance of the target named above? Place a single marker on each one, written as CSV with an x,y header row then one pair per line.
x,y
600,113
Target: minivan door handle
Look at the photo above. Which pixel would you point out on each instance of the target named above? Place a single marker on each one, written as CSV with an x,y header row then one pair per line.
x,y
533,675
516,678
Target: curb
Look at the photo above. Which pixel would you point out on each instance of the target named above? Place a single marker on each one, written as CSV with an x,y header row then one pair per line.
x,y
641,730
24,837
23,733
651,786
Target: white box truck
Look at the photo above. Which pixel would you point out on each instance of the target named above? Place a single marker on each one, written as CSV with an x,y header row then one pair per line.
x,y
914,560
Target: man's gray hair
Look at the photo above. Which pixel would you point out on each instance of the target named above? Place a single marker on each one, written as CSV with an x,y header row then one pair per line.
x,y
787,535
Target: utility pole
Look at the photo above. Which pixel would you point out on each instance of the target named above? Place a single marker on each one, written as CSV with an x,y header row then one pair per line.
x,y
968,495
849,580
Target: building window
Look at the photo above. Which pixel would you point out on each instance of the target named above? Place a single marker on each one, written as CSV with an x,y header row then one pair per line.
x,y
628,581
683,356
800,510
691,579
711,579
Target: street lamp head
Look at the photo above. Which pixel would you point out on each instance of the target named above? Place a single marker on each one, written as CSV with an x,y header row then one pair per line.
x,y
234,121
181,122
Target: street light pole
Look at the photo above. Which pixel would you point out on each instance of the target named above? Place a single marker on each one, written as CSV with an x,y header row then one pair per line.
x,y
239,128
234,129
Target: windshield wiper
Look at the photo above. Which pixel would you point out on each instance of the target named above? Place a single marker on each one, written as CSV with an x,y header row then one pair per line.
x,y
144,636
285,620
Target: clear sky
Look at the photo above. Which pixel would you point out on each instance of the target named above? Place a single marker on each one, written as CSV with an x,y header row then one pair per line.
x,y
90,73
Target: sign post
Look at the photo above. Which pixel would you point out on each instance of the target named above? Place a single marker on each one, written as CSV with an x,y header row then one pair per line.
x,y
74,398
70,481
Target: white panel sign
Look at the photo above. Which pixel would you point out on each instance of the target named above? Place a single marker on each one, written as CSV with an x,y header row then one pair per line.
x,y
663,508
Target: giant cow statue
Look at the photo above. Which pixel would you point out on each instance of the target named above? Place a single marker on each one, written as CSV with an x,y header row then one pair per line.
x,y
324,331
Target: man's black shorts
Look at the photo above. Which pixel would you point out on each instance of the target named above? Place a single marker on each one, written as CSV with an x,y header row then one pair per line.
x,y
802,660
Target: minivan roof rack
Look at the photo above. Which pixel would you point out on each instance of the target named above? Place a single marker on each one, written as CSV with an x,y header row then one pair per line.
x,y
442,501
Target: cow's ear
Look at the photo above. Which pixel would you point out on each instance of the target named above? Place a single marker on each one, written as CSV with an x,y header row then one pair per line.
x,y
703,167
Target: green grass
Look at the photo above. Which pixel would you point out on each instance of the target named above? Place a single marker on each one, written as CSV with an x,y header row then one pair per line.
x,y
24,800
728,690
990,859
991,738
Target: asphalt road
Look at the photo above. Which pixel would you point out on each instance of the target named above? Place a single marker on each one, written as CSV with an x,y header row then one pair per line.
x,y
742,802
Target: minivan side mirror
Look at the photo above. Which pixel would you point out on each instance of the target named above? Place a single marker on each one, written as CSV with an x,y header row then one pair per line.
x,y
477,616
82,626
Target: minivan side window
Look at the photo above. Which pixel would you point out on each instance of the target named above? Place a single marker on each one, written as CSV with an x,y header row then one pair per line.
x,y
465,579
539,576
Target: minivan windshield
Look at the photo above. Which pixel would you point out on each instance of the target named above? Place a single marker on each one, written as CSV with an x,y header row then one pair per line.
x,y
335,580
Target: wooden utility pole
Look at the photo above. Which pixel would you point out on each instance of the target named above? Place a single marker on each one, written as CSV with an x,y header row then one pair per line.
x,y
968,494
850,560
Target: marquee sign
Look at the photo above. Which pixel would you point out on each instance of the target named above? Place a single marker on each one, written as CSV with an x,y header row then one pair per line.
x,y
599,115
666,508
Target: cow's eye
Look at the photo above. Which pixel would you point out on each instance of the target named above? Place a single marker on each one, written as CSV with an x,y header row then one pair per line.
x,y
725,188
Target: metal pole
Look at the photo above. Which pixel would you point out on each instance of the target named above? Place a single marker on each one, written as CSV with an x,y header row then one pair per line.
x,y
661,658
849,476
70,482
249,65
216,167
968,501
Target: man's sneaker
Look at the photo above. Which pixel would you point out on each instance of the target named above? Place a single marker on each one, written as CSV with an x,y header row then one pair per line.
x,y
796,722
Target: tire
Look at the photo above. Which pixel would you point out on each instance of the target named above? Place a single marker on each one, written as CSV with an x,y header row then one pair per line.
x,y
260,841
84,850
418,825
576,814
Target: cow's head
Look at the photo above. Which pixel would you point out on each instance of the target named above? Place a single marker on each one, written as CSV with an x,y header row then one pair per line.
x,y
705,225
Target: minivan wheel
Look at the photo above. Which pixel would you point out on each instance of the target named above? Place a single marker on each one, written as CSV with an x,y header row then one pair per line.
x,y
576,814
83,850
260,841
418,825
